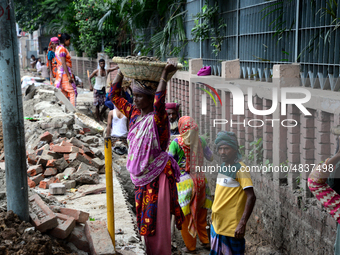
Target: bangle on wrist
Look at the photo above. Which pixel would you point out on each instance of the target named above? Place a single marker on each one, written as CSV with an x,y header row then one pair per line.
x,y
163,80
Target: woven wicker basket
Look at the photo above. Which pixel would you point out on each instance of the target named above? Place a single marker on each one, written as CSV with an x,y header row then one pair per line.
x,y
143,70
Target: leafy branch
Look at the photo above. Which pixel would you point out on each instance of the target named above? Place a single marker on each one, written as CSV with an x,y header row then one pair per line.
x,y
210,28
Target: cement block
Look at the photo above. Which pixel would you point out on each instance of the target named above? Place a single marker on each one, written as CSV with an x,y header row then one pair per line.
x,y
57,188
69,184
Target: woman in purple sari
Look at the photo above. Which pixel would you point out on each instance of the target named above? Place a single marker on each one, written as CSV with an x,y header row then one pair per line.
x,y
152,171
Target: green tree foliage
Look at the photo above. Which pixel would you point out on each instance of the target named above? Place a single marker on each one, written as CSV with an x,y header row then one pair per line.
x,y
111,23
92,28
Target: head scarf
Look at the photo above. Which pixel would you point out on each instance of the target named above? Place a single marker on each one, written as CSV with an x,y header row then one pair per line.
x,y
145,87
173,106
191,144
230,139
55,40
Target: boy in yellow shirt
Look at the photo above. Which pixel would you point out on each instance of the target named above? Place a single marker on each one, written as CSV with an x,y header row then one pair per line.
x,y
234,199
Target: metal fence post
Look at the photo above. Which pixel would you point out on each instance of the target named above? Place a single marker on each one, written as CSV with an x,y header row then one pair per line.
x,y
297,30
237,26
12,114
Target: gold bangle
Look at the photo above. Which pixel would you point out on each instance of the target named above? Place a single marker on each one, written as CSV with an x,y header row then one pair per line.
x,y
164,80
119,74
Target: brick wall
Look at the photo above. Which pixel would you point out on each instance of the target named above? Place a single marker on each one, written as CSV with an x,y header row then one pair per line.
x,y
286,214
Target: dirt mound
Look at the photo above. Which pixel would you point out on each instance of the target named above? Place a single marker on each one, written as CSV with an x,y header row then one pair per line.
x,y
17,238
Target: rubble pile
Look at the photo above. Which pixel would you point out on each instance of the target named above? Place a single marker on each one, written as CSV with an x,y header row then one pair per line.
x,y
65,162
70,162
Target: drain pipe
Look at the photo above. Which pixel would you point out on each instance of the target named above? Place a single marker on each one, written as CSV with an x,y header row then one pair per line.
x,y
12,114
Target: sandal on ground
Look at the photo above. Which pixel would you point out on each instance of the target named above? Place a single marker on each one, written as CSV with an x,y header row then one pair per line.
x,y
185,250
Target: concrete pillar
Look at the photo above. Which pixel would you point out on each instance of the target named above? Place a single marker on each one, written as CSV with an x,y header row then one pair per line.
x,y
231,69
187,96
12,116
195,65
293,145
286,75
249,131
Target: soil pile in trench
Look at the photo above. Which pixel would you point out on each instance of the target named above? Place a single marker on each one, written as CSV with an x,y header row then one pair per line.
x,y
16,238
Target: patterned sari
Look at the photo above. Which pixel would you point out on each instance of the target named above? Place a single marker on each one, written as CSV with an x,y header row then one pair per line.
x,y
62,82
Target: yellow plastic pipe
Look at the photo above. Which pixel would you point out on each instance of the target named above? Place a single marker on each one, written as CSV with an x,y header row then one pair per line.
x,y
109,190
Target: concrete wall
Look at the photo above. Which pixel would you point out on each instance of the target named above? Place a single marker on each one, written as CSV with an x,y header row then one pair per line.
x,y
286,215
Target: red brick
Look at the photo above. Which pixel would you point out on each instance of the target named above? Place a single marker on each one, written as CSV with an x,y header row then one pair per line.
x,y
99,239
51,171
78,238
32,159
34,170
31,183
65,226
65,143
45,184
78,215
46,137
65,149
67,157
51,163
43,159
41,215
37,178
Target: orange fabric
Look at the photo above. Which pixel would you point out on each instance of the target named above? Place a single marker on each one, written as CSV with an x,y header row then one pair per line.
x,y
190,242
62,81
70,96
63,52
192,147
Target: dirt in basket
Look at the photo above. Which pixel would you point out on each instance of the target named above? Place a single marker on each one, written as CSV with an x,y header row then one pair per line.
x,y
142,58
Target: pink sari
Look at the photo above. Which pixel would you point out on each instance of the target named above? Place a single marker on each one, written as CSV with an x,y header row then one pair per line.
x,y
146,160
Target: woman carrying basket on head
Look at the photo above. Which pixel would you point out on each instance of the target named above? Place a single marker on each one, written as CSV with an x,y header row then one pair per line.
x,y
152,171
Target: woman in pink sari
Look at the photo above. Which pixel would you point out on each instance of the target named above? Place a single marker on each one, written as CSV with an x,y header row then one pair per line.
x,y
152,171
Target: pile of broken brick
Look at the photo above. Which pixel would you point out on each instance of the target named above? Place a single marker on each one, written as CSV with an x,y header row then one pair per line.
x,y
61,164
70,225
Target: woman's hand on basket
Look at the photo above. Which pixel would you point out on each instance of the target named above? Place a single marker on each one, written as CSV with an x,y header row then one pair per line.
x,y
170,67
